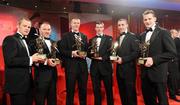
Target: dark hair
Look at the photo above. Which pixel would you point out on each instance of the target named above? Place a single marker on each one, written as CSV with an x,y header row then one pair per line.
x,y
123,19
99,22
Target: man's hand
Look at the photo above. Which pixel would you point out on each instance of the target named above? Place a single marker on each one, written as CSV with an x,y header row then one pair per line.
x,y
36,58
98,58
75,54
149,62
119,60
51,62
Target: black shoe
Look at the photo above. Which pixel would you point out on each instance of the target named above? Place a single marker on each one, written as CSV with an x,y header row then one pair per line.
x,y
175,99
178,94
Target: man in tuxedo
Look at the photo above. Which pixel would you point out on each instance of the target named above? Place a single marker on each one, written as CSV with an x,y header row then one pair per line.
x,y
160,50
45,72
173,72
177,42
18,62
71,44
34,31
127,52
101,67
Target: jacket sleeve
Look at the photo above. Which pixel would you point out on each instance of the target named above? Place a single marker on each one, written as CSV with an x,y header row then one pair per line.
x,y
12,56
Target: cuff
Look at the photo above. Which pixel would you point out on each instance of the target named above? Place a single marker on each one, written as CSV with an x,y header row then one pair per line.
x,y
30,62
45,63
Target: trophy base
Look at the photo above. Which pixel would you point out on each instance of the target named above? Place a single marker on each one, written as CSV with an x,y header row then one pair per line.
x,y
142,61
113,58
57,61
96,55
42,56
82,53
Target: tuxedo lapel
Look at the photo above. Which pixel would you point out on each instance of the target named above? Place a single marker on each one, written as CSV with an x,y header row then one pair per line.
x,y
102,42
82,37
47,50
122,43
21,43
155,33
72,40
20,40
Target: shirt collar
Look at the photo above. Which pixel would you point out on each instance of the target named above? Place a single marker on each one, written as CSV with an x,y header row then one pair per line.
x,y
21,35
74,31
153,27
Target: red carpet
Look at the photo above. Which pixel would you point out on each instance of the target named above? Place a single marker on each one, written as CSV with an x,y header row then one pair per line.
x,y
90,98
61,93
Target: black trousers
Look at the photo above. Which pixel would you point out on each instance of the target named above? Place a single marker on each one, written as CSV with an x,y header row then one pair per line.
x,y
127,91
46,90
96,81
152,91
172,84
80,77
22,99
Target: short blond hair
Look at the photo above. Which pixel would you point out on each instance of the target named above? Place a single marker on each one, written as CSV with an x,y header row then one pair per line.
x,y
23,18
146,12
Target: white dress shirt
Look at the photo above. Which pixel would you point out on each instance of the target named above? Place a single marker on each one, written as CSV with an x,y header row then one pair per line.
x,y
149,34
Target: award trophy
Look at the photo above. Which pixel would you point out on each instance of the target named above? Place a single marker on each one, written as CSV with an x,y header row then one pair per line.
x,y
53,53
113,51
144,51
78,44
39,47
94,48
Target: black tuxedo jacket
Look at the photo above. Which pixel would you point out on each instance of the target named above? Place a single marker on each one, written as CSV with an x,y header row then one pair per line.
x,y
33,34
103,65
128,51
162,49
17,69
177,43
66,46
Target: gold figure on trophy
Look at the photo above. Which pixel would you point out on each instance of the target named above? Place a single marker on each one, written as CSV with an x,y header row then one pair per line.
x,y
78,44
39,47
94,48
54,52
144,52
113,51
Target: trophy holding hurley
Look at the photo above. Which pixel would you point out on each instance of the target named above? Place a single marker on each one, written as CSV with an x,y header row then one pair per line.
x,y
54,52
78,44
40,47
94,48
144,52
113,51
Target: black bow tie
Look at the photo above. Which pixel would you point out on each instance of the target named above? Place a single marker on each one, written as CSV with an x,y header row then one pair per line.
x,y
22,37
99,36
46,38
148,29
123,33
77,33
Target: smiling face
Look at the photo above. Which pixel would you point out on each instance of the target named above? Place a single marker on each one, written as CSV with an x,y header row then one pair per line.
x,y
149,18
24,27
75,24
99,28
174,33
45,30
122,25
